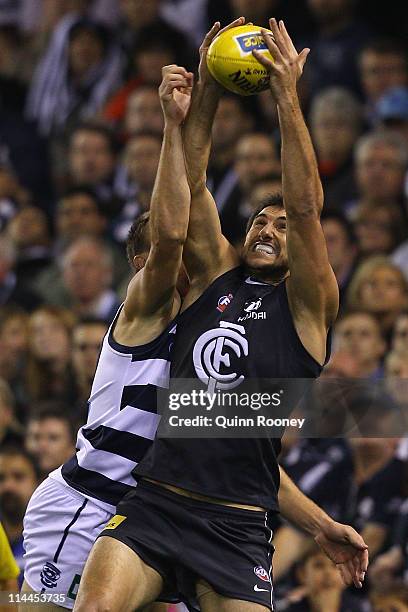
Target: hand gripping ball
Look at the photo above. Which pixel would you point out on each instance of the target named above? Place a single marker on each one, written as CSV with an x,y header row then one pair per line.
x,y
231,63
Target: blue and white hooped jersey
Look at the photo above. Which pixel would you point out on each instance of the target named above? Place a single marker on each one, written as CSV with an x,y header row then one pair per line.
x,y
122,418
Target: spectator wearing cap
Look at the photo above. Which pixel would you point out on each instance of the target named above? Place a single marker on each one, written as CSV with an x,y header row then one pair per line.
x,y
391,110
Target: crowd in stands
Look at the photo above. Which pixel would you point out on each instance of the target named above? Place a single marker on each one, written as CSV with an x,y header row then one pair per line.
x,y
80,139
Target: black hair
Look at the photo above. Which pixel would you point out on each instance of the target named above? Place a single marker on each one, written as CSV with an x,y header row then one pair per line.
x,y
274,199
137,241
97,128
341,219
97,29
50,409
84,189
11,450
386,46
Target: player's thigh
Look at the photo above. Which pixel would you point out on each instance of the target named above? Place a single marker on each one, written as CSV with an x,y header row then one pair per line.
x,y
210,601
116,579
35,607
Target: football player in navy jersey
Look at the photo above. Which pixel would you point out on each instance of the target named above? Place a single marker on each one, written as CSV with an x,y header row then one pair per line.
x,y
199,516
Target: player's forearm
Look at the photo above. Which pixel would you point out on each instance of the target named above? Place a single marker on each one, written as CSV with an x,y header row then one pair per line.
x,y
298,509
301,183
197,133
170,204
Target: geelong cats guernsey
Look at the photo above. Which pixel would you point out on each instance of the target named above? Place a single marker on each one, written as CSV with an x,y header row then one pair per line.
x,y
122,418
256,338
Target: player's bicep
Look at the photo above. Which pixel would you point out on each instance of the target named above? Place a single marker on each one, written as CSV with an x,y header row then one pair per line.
x,y
153,288
312,284
207,252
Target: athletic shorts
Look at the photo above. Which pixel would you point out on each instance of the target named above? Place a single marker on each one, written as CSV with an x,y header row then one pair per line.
x,y
184,539
60,528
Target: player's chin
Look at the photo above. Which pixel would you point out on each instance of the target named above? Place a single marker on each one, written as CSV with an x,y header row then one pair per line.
x,y
259,260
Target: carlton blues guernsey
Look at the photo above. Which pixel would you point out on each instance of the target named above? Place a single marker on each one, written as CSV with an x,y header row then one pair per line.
x,y
255,339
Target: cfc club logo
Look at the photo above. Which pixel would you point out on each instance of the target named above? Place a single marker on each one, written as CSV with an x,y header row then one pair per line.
x,y
50,575
213,350
249,41
261,573
224,302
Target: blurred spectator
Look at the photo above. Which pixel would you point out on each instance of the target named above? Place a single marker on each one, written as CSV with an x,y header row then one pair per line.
x,y
336,124
29,230
12,291
341,247
12,194
141,18
11,431
400,333
323,588
335,46
13,341
48,373
12,89
86,344
392,599
92,152
50,436
231,122
379,229
391,111
383,64
140,162
80,68
87,271
379,287
143,112
360,334
256,157
19,476
381,160
79,212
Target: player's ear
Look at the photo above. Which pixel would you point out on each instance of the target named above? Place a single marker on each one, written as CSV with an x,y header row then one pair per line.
x,y
139,262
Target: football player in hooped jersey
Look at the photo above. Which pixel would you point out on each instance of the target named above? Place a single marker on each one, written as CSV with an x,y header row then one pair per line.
x,y
198,516
76,501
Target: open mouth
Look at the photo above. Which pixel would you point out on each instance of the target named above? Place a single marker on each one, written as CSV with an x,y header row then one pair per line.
x,y
263,247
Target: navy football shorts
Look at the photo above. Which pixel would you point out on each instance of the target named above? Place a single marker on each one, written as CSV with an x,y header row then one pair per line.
x,y
184,540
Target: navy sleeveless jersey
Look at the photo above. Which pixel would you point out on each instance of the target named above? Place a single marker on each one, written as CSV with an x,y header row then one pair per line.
x,y
255,325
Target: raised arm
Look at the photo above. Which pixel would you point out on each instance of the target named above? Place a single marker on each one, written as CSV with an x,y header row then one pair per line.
x,y
341,543
153,289
207,253
312,287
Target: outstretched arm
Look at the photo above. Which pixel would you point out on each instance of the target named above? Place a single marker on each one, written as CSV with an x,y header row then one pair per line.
x,y
207,253
341,543
312,287
153,289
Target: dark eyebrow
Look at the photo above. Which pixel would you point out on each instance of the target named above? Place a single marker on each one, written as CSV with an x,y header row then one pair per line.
x,y
261,215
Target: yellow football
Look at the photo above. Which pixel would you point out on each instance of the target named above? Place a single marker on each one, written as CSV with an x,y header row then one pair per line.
x,y
231,63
